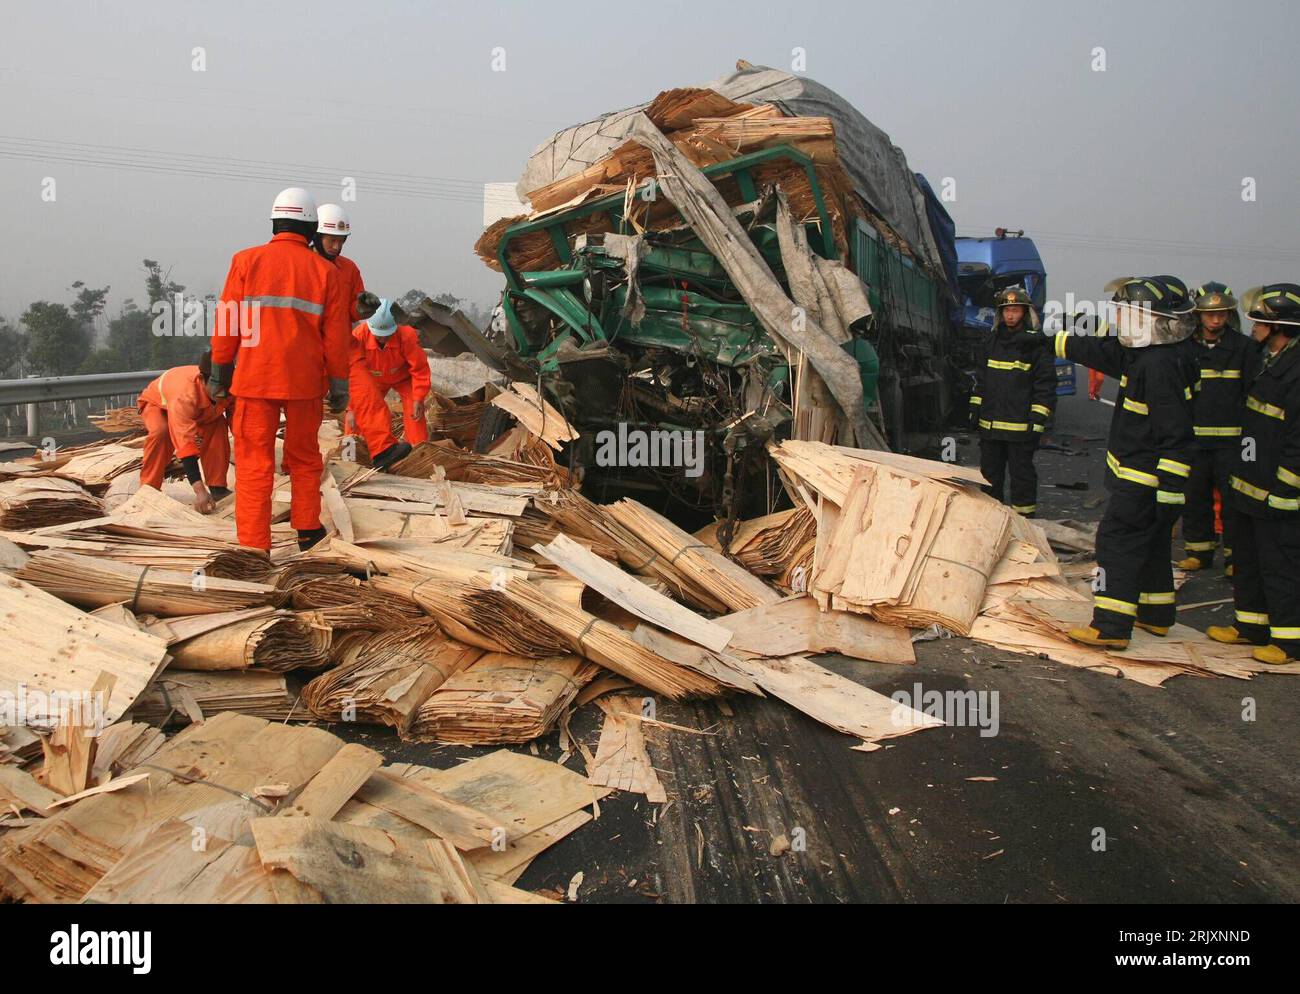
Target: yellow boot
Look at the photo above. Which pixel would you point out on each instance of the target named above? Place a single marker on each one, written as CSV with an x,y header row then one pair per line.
x,y
1190,563
1227,570
1161,630
1091,636
1227,634
1272,654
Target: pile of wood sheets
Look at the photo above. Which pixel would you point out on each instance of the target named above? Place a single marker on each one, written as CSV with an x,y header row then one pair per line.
x,y
706,128
500,698
348,603
385,677
196,695
514,460
119,419
904,546
97,468
27,504
778,546
90,582
292,815
272,640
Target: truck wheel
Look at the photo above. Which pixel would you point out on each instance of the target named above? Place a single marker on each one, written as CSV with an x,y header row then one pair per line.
x,y
494,423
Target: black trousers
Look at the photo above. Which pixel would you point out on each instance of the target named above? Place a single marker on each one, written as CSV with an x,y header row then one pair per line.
x,y
996,457
1210,468
1135,578
1266,579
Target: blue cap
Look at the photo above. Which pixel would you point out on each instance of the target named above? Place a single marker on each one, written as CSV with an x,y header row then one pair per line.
x,y
382,323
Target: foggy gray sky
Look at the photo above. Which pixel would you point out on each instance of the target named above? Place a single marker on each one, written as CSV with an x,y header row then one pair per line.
x,y
1137,169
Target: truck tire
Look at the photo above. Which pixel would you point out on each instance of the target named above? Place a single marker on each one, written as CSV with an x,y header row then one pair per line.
x,y
494,423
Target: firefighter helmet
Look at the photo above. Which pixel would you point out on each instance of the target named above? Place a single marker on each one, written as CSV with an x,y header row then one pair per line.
x,y
1150,310
1016,296
1276,303
1214,296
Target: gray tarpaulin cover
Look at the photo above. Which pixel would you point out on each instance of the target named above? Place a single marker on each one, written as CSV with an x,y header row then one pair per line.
x,y
876,166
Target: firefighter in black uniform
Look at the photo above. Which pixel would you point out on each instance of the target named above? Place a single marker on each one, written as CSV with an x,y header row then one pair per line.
x,y
1015,394
1221,353
1265,485
1148,456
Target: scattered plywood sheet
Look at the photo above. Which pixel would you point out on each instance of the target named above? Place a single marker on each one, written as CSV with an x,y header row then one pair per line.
x,y
336,782
836,701
52,648
621,759
521,793
461,824
221,760
508,863
535,413
796,626
348,864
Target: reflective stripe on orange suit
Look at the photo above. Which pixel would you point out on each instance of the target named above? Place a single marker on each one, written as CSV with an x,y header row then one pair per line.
x,y
282,360
402,366
182,420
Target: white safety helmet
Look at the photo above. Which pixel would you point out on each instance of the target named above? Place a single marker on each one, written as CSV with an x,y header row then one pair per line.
x,y
332,221
294,204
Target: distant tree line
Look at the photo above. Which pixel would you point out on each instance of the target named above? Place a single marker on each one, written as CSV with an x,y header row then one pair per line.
x,y
62,339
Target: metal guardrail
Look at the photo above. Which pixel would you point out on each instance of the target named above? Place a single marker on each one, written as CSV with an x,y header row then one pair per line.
x,y
36,390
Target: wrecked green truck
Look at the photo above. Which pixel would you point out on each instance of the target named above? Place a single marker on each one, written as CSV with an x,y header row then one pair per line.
x,y
659,341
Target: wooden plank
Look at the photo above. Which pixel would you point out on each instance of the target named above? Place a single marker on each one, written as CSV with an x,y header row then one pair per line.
x,y
632,594
796,626
462,825
835,701
336,782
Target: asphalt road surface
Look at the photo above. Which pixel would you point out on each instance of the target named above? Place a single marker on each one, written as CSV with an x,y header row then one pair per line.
x,y
1192,803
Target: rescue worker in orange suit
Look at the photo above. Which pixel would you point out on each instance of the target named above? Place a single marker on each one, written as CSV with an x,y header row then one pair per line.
x,y
387,356
1221,353
332,232
1015,394
282,328
1148,456
1264,499
182,420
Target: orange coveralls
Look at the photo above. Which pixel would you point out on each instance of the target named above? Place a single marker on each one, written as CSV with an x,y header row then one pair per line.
x,y
400,365
353,285
292,335
184,421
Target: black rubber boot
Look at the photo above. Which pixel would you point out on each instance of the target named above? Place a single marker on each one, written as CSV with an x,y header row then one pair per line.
x,y
391,455
309,538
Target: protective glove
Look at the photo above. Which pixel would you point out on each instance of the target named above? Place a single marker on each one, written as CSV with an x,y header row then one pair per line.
x,y
219,381
367,304
338,399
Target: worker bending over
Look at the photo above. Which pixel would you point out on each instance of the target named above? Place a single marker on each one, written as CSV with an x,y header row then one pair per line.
x,y
292,333
1015,394
332,232
1148,458
1264,502
1220,352
387,356
184,421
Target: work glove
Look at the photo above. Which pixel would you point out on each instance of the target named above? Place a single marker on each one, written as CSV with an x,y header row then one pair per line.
x,y
219,381
338,399
367,304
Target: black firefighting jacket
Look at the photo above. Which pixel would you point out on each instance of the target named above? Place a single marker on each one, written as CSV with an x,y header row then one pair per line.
x,y
1151,440
1267,474
1015,386
1216,415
